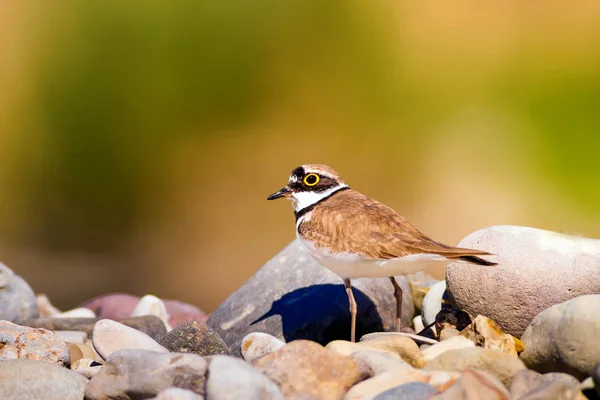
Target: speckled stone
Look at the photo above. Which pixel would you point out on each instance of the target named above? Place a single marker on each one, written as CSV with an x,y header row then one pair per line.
x,y
22,342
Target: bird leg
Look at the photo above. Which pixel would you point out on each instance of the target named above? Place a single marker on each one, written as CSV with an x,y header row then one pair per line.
x,y
352,302
398,296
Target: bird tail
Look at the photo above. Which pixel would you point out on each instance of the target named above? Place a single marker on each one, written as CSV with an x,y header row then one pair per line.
x,y
468,255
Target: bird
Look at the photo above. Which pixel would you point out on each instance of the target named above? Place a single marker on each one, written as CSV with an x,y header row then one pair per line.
x,y
358,237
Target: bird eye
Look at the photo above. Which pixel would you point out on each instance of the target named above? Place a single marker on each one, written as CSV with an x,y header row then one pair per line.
x,y
311,179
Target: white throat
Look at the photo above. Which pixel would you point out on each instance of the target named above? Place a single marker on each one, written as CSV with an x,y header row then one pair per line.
x,y
302,200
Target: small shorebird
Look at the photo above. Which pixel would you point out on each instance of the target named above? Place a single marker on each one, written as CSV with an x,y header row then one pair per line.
x,y
358,237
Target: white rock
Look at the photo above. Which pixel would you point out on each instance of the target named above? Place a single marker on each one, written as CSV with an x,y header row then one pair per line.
x,y
418,323
46,308
456,342
81,312
75,337
152,305
110,336
230,378
432,303
257,344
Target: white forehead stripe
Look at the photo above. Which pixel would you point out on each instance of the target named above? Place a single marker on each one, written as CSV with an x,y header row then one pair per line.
x,y
306,199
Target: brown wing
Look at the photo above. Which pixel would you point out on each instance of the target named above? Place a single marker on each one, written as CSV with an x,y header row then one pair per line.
x,y
351,222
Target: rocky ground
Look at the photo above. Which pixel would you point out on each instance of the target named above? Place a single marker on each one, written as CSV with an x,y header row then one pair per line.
x,y
526,329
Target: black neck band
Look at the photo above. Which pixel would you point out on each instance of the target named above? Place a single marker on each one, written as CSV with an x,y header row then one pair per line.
x,y
302,212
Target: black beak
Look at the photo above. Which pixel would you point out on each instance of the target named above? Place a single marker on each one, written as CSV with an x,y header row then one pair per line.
x,y
285,192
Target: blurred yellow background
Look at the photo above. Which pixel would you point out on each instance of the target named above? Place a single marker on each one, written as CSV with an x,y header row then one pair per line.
x,y
139,140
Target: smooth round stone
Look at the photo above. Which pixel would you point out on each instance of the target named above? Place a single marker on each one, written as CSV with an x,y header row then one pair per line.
x,y
474,384
142,374
454,343
502,365
257,344
305,369
17,300
110,336
564,338
380,361
415,337
194,337
37,344
554,391
432,302
39,380
537,269
152,305
80,312
409,391
230,378
524,382
402,346
45,306
75,337
370,388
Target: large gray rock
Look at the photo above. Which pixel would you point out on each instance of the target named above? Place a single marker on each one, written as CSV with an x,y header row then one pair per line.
x,y
17,300
536,270
36,344
293,297
564,338
230,378
39,380
140,374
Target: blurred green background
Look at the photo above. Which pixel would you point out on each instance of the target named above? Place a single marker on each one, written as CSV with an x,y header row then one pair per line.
x,y
139,140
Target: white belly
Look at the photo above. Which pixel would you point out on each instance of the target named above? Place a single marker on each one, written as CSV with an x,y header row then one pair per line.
x,y
348,265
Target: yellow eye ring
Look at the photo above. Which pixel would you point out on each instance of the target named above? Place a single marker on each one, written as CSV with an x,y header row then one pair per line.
x,y
311,179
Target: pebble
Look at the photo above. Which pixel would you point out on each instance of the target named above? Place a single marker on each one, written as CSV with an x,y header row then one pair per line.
x,y
79,351
143,374
475,385
524,382
194,337
17,300
22,342
502,365
432,302
417,323
230,378
257,344
80,312
415,337
45,306
454,343
110,336
492,335
379,384
304,300
564,338
554,391
305,369
379,362
420,284
39,380
149,324
401,346
152,305
118,306
176,393
75,337
409,391
539,268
